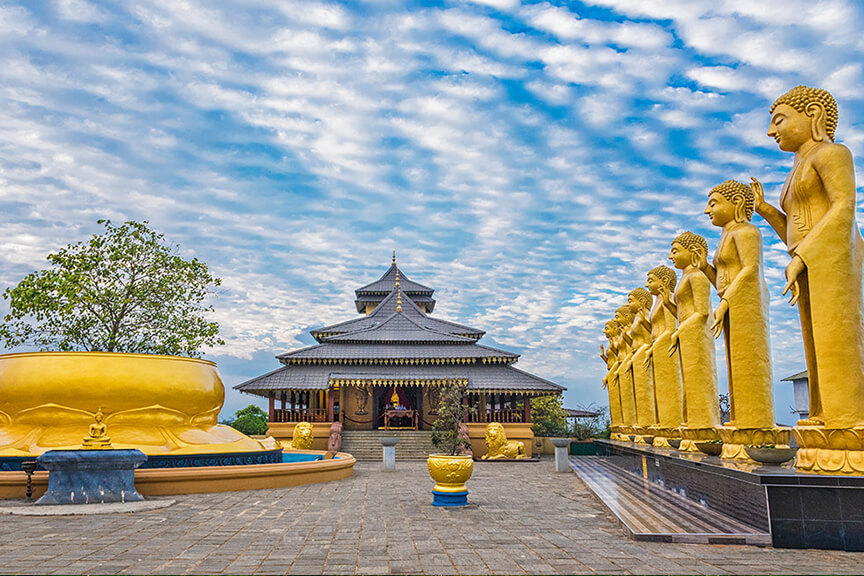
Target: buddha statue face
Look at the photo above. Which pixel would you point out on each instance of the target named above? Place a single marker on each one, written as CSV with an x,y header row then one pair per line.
x,y
789,128
611,330
638,300
720,210
652,284
680,256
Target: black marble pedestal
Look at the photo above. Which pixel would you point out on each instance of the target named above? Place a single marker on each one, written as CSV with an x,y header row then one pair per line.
x,y
90,476
800,510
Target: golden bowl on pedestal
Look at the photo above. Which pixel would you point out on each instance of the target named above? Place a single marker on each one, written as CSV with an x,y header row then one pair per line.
x,y
157,404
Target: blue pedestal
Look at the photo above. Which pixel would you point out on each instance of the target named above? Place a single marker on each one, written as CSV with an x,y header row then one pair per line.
x,y
90,476
449,498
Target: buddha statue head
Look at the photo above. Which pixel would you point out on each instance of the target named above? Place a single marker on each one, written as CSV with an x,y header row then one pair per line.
x,y
730,201
639,299
688,249
624,316
611,330
803,114
661,277
394,399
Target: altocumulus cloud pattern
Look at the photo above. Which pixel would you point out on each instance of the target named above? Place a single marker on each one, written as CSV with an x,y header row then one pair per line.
x,y
529,160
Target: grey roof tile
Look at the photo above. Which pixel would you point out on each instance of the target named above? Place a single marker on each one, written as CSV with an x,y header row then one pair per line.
x,y
480,377
378,351
385,309
386,282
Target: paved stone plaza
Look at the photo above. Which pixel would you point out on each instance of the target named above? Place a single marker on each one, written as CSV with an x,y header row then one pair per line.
x,y
525,518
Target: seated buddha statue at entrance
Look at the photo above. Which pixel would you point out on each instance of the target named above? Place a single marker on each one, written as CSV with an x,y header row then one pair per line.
x,y
395,403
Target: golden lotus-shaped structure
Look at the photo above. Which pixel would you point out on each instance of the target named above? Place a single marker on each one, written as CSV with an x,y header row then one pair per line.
x,y
163,405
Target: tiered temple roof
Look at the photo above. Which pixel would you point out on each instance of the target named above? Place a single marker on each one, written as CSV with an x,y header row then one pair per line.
x,y
372,294
398,343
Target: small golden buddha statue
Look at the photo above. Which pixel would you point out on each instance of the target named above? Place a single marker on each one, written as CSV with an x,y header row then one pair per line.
x,y
692,341
666,369
742,318
639,301
612,331
98,437
816,220
624,372
394,400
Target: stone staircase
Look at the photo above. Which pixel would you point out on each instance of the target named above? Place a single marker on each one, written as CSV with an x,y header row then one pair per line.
x,y
366,444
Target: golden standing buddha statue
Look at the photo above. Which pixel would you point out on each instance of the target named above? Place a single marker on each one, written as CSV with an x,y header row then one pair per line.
x,y
816,220
624,317
742,318
668,394
612,330
639,302
693,343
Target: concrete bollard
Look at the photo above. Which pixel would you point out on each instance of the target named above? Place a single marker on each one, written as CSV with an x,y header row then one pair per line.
x,y
562,459
389,445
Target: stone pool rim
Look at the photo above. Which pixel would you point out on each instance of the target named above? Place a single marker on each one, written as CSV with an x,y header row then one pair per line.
x,y
204,479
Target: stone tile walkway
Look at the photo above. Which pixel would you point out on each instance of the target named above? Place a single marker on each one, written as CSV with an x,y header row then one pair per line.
x,y
524,518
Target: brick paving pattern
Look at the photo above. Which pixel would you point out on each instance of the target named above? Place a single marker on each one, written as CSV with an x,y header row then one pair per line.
x,y
524,518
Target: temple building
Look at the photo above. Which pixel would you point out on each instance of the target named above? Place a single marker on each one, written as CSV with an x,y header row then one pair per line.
x,y
384,370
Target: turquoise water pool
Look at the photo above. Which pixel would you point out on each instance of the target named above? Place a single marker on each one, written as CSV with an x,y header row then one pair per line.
x,y
295,457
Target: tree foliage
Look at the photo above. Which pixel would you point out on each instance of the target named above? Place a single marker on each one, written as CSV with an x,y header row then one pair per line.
x,y
592,426
548,417
446,428
124,290
250,420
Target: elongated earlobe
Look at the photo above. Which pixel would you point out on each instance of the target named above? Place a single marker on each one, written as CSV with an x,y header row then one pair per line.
x,y
818,131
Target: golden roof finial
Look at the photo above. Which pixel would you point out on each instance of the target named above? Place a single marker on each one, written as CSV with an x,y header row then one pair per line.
x,y
394,257
399,293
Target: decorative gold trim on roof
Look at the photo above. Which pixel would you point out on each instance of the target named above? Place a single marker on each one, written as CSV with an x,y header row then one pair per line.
x,y
398,361
398,381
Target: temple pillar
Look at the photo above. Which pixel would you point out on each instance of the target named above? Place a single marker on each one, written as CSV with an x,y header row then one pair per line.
x,y
330,406
526,410
271,397
283,396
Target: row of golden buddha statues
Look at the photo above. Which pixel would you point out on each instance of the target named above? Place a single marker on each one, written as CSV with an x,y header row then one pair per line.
x,y
662,378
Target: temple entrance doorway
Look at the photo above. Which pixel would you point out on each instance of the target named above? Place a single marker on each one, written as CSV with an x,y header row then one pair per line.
x,y
397,407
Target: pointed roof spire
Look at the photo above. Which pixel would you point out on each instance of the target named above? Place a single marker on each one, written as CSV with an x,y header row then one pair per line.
x,y
394,257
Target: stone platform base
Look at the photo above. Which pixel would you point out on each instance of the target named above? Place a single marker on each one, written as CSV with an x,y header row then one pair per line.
x,y
799,510
823,450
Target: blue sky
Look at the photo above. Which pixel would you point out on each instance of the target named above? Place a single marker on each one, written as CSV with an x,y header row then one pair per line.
x,y
529,161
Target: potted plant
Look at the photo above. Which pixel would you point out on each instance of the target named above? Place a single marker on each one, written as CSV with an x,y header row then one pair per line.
x,y
451,468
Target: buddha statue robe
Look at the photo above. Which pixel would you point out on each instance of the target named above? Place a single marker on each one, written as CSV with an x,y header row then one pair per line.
x,y
668,393
643,382
612,386
739,281
696,350
818,199
625,381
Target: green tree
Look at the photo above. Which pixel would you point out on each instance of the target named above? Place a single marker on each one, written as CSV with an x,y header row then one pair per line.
x,y
548,417
446,428
250,420
124,290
